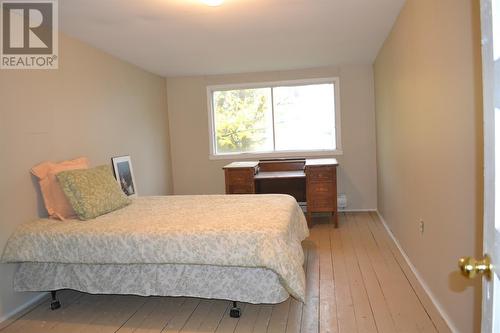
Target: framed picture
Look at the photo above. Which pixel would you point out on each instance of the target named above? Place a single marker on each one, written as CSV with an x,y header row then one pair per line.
x,y
124,174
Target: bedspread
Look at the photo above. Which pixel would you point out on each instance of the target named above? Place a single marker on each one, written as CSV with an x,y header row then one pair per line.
x,y
226,230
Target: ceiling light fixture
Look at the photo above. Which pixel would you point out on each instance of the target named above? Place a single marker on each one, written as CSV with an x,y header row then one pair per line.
x,y
212,3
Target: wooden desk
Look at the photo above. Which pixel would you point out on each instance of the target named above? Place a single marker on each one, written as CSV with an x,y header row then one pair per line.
x,y
313,181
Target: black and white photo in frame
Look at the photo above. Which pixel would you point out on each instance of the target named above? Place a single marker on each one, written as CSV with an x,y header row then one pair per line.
x,y
124,174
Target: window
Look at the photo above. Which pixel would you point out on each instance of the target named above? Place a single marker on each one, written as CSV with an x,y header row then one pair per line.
x,y
275,119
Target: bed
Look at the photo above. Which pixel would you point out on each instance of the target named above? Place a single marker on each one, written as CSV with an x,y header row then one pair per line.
x,y
240,247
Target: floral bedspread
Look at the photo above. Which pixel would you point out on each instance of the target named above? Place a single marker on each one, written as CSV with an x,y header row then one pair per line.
x,y
263,231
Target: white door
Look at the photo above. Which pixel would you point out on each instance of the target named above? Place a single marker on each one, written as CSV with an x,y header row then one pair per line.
x,y
490,22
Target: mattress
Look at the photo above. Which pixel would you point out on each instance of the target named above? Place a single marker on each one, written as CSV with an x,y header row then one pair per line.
x,y
246,231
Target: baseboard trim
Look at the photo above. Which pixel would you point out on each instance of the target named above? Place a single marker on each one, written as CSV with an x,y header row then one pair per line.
x,y
419,278
20,311
354,210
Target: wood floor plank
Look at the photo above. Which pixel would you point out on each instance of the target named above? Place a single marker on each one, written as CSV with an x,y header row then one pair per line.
x,y
42,318
101,310
81,313
198,316
181,316
327,304
295,314
153,315
310,310
141,315
396,260
214,317
112,317
248,319
262,323
228,324
381,313
294,317
405,308
365,321
164,310
386,281
279,317
402,288
343,298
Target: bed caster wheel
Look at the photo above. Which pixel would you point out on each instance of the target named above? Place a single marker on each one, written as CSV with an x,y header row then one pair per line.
x,y
54,305
235,311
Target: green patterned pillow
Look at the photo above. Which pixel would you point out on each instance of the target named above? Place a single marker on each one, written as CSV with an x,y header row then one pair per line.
x,y
92,192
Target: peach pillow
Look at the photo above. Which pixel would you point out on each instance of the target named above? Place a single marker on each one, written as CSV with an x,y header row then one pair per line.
x,y
56,203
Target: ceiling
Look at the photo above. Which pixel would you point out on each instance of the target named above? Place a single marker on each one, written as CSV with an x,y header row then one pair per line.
x,y
185,37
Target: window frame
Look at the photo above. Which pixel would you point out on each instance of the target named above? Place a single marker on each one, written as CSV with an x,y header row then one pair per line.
x,y
274,154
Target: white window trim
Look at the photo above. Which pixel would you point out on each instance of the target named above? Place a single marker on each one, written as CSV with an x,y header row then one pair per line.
x,y
274,154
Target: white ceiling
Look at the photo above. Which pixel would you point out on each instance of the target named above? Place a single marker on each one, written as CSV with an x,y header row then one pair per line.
x,y
185,37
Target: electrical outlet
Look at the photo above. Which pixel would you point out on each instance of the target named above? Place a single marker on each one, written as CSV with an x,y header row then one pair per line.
x,y
341,201
422,227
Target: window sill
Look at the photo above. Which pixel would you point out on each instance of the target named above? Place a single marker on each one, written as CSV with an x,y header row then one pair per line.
x,y
287,154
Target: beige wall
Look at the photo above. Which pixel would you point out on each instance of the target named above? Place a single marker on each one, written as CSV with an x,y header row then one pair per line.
x,y
95,106
429,145
195,173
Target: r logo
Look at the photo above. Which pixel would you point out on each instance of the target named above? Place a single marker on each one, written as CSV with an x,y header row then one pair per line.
x,y
27,28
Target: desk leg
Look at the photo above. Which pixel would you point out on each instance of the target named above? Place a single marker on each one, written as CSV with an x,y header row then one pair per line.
x,y
335,219
309,219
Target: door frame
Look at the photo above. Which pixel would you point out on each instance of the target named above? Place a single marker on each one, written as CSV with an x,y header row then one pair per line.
x,y
489,230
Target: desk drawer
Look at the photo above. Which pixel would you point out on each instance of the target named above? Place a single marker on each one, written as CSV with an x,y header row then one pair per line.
x,y
321,196
321,174
241,189
320,188
240,181
321,203
239,176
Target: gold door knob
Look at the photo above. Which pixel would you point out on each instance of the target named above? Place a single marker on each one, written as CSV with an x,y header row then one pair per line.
x,y
470,267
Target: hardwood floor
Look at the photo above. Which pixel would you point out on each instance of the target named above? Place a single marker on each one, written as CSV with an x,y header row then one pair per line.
x,y
357,281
